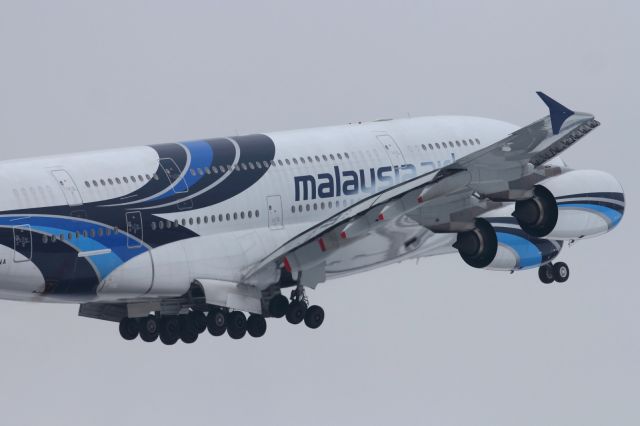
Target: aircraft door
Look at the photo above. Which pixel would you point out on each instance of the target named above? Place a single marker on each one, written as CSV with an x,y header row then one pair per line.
x,y
179,184
68,187
391,148
134,229
274,212
22,246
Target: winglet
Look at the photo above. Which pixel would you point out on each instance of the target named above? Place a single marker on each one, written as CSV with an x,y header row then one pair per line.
x,y
558,113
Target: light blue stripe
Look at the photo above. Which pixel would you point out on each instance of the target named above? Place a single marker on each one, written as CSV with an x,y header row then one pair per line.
x,y
613,215
528,252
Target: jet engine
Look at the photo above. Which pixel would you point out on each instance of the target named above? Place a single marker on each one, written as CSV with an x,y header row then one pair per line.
x,y
498,243
577,204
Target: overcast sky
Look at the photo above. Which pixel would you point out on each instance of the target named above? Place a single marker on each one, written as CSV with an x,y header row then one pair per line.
x,y
430,343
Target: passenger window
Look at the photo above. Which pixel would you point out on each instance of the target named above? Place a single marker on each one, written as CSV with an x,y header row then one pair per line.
x,y
125,179
161,224
280,162
220,217
286,160
228,216
140,178
324,157
206,219
257,213
478,141
93,233
102,182
235,216
332,157
458,143
153,226
110,181
251,166
213,218
133,179
243,166
95,183
293,209
193,172
249,214
190,221
87,184
184,222
200,172
317,159
198,220
300,208
339,156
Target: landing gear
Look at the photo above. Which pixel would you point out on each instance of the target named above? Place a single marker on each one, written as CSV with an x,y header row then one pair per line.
x,y
169,330
550,272
561,272
237,325
129,328
199,321
149,328
314,316
188,332
278,306
256,325
296,311
217,322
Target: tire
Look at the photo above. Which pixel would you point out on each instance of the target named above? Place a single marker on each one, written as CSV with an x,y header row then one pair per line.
x,y
170,328
296,312
236,325
128,328
149,328
168,340
561,272
314,317
217,322
546,274
256,325
199,321
278,306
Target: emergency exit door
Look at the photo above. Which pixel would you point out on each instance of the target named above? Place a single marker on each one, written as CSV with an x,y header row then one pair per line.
x,y
68,187
274,212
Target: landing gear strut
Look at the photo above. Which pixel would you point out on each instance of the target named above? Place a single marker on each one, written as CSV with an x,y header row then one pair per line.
x,y
550,272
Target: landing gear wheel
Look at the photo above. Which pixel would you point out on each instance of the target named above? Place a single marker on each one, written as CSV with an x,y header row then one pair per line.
x,y
169,330
314,316
545,273
236,325
561,272
296,312
149,328
217,322
256,325
278,306
199,321
188,333
129,328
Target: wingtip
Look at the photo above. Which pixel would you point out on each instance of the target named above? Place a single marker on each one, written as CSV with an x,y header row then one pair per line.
x,y
558,112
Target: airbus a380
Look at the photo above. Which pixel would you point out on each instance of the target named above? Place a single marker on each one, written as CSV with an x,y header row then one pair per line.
x,y
218,234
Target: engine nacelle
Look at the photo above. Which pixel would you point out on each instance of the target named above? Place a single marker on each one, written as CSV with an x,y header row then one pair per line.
x,y
589,203
498,243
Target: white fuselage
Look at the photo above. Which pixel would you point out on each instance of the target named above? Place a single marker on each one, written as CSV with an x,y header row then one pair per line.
x,y
314,173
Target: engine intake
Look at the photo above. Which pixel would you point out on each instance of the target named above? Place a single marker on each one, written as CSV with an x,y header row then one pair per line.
x,y
479,246
538,215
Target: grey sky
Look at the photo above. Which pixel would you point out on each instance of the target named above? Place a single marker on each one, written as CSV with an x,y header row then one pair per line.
x,y
434,343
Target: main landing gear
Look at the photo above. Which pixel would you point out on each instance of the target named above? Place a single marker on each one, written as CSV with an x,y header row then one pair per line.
x,y
297,309
550,272
218,321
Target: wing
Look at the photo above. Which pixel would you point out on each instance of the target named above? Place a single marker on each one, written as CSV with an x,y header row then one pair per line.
x,y
445,200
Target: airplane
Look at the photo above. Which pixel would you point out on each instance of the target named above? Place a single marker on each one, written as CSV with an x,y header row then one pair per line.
x,y
172,240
